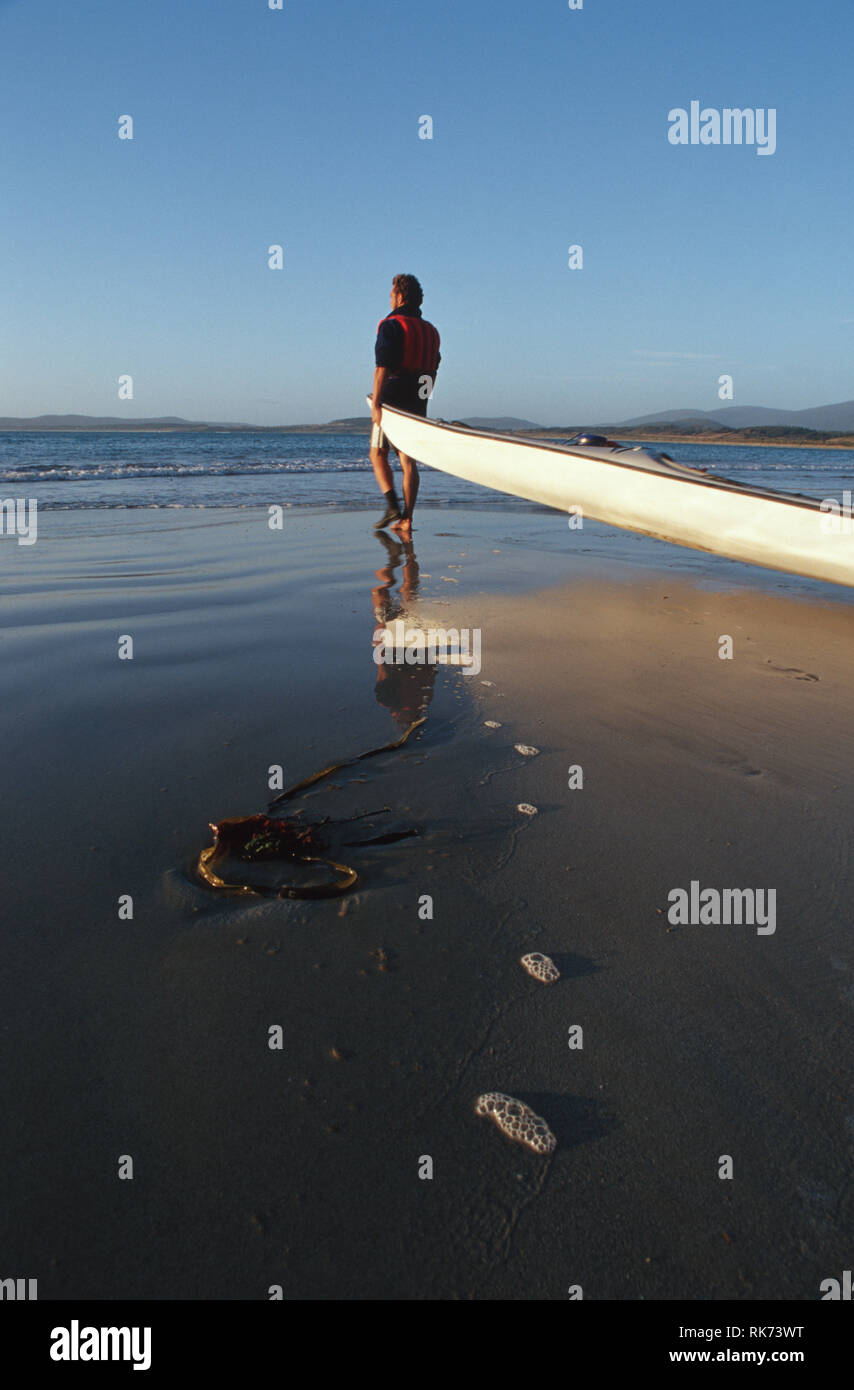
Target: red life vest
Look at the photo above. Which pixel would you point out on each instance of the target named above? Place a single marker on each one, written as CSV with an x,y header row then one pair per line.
x,y
420,344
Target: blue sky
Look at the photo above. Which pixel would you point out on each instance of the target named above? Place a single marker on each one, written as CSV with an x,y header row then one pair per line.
x,y
300,127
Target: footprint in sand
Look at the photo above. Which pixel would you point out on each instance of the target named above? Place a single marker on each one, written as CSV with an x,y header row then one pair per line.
x,y
795,671
746,769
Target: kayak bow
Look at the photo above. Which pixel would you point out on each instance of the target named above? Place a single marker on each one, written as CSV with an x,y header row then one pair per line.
x,y
640,491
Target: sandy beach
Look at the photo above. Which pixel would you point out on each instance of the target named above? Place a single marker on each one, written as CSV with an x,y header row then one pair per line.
x,y
298,1167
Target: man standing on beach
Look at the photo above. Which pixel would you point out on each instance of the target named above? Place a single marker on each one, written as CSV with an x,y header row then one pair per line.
x,y
407,358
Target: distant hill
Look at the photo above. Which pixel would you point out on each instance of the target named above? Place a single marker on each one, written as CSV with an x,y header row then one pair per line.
x,y
680,424
829,419
169,422
345,425
110,422
499,422
834,418
838,417
661,417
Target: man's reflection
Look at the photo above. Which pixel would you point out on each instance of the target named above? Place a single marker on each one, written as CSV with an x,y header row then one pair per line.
x,y
405,690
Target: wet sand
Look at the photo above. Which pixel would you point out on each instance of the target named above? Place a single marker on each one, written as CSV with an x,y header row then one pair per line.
x,y
299,1167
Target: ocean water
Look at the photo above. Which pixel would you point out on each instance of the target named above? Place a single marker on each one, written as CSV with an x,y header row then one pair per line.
x,y
71,470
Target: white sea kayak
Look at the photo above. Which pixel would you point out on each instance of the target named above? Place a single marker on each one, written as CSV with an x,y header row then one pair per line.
x,y
641,491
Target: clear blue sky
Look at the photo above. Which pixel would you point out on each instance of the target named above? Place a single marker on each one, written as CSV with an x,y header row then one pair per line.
x,y
300,127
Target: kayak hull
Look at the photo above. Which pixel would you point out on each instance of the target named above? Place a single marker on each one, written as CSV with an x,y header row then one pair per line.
x,y
640,491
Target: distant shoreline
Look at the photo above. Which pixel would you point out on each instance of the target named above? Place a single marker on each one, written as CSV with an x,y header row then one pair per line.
x,y
187,429
731,437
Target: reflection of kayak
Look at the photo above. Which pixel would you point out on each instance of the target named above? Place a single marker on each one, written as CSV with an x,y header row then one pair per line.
x,y
640,491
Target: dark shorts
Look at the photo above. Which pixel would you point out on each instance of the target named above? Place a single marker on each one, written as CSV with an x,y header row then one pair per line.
x,y
400,395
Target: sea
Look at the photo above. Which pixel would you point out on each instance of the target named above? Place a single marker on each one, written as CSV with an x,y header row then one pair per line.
x,y
72,470
102,483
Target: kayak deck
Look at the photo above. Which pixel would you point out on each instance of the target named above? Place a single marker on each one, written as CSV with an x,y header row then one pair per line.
x,y
634,456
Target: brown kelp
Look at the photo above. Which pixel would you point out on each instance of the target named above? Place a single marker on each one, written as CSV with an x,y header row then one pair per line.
x,y
270,839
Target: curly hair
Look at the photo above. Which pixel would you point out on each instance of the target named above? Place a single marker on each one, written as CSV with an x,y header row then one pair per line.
x,y
410,288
